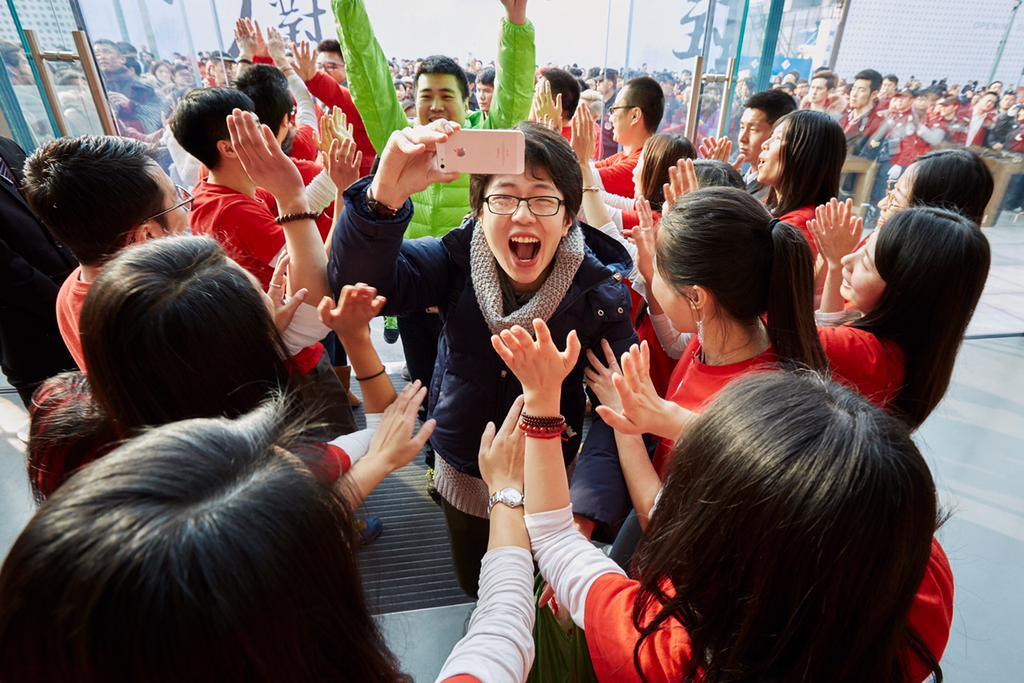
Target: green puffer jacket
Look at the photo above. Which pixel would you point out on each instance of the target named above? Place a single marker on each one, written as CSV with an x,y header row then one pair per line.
x,y
441,207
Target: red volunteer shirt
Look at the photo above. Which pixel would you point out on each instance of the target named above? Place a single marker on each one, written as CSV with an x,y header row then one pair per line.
x,y
694,384
861,361
617,172
69,309
665,654
799,218
244,225
567,134
304,145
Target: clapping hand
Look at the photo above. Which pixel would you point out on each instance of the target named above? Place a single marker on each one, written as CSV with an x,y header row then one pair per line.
x,y
644,236
545,109
502,451
720,149
250,41
396,441
642,410
276,48
583,139
538,365
682,180
358,304
342,162
837,231
262,158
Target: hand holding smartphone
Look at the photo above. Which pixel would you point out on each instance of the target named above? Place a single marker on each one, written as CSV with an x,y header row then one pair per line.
x,y
483,152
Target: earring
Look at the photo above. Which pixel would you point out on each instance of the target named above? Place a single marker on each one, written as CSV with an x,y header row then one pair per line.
x,y
700,333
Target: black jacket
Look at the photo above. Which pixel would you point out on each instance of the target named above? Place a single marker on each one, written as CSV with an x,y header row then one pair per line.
x,y
33,265
471,384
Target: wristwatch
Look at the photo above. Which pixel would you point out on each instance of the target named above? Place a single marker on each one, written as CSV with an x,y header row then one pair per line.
x,y
507,496
377,208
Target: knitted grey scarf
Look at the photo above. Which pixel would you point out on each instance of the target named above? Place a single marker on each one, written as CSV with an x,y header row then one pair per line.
x,y
484,271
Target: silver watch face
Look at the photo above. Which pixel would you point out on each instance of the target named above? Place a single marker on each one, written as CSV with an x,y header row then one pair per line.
x,y
509,497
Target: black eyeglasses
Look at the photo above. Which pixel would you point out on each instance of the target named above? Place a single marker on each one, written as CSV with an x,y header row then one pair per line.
x,y
186,203
506,204
621,106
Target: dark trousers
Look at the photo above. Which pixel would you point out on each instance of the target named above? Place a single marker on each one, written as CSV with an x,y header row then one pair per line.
x,y
468,538
626,541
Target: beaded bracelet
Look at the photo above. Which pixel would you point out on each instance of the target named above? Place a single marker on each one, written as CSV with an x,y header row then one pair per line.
x,y
292,217
542,427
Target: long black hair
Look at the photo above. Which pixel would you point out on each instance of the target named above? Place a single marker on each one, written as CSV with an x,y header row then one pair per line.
x,y
955,179
794,530
812,155
934,263
203,550
724,240
172,330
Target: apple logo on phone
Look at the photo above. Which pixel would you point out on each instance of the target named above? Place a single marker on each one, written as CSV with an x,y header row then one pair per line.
x,y
460,152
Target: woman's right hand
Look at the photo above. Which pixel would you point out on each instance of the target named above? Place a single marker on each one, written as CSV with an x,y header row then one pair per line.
x,y
396,442
303,61
836,231
682,180
598,376
408,163
538,365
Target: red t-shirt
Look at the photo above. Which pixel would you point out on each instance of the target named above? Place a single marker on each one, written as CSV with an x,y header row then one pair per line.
x,y
567,134
799,218
327,90
304,144
694,385
244,225
69,309
861,361
661,363
617,172
611,636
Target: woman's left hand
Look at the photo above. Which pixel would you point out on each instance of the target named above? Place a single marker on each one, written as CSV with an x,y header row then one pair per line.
x,y
538,365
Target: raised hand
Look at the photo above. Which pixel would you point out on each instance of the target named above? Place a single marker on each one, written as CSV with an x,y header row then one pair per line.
x,y
682,180
502,451
644,236
643,411
515,11
250,41
277,50
333,126
262,158
583,142
408,163
545,109
303,60
598,376
396,441
342,162
538,365
284,307
837,231
357,305
718,149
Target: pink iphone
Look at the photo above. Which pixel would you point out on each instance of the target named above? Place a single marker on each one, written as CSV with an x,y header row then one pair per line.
x,y
483,152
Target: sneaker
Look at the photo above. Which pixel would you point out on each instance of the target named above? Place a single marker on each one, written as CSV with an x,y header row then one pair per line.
x,y
369,528
390,329
406,375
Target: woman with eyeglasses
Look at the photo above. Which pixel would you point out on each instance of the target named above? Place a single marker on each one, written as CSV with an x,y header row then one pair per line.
x,y
955,179
520,255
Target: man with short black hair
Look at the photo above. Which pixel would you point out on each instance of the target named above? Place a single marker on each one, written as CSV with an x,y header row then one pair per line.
x,y
485,89
890,83
98,195
563,84
760,114
634,117
144,105
820,96
861,119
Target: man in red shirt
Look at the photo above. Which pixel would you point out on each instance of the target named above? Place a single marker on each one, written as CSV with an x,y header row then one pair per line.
x,y
98,195
635,117
228,205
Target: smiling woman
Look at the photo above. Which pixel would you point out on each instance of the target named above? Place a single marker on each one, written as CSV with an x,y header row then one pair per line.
x,y
520,255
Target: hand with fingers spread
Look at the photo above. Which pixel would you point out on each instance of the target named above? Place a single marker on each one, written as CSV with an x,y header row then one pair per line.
x,y
408,163
342,162
502,451
682,180
277,49
837,231
644,236
546,110
599,376
358,304
538,365
265,162
303,60
396,441
250,41
583,142
643,411
284,306
718,149
333,125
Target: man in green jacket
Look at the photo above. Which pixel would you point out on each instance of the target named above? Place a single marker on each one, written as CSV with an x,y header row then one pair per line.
x,y
442,91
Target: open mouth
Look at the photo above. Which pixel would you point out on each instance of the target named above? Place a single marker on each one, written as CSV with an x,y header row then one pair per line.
x,y
524,249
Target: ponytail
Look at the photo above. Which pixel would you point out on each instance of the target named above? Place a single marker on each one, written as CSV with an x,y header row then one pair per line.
x,y
723,239
790,321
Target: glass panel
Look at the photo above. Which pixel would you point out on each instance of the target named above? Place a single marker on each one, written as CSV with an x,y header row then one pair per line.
x,y
52,20
25,103
75,100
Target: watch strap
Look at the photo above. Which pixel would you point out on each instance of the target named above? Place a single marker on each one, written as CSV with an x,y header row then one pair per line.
x,y
377,208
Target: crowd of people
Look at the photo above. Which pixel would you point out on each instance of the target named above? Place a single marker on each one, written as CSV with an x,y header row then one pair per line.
x,y
706,374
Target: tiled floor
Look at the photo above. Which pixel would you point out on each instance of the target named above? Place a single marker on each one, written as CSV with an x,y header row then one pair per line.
x,y
974,443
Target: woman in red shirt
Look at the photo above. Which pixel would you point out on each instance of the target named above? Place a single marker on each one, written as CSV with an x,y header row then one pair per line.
x,y
916,283
793,540
801,162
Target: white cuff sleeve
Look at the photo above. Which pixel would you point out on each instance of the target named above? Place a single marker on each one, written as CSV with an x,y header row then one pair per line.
x,y
671,339
499,643
614,230
616,201
320,192
304,330
567,561
305,113
835,318
357,444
